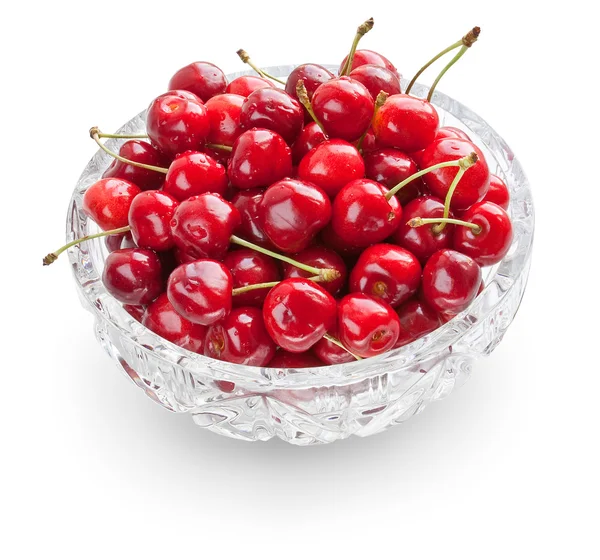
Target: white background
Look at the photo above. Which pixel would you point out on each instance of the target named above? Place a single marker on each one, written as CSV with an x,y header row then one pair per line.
x,y
507,467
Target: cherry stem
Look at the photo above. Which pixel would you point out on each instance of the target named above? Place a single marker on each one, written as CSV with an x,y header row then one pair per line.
x,y
246,60
96,134
335,341
262,285
222,147
381,99
51,257
363,29
466,41
418,222
140,135
302,94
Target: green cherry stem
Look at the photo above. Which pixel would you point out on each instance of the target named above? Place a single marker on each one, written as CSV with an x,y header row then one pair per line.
x,y
140,135
303,98
335,341
362,30
418,222
246,60
381,99
262,285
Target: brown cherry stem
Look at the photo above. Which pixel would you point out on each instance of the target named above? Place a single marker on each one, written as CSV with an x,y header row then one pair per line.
x,y
221,147
418,222
302,94
245,57
362,30
335,341
140,135
381,99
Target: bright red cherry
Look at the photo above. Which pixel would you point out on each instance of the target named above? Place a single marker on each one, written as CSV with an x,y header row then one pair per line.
x,y
201,78
498,192
330,353
319,257
450,281
443,132
195,173
107,202
133,276
369,142
297,313
284,359
150,217
313,75
365,56
248,204
240,338
377,79
367,326
245,85
310,137
332,165
224,113
258,159
200,291
344,107
416,320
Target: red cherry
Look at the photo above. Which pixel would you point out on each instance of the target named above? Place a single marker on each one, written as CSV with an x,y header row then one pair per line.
x,y
293,212
221,156
443,132
498,192
319,257
240,338
161,318
388,272
344,107
331,165
202,225
406,123
201,78
182,257
297,313
119,241
150,216
248,204
369,143
259,158
136,311
195,173
333,241
330,353
200,291
367,326
245,85
310,137
133,276
416,320
377,79
284,360
450,281
107,202
365,56
224,113
491,242
313,76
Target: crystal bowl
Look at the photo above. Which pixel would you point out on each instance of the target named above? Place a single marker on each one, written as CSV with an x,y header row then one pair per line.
x,y
323,404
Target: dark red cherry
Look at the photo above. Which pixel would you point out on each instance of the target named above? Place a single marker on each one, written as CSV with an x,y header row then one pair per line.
x,y
388,272
406,123
200,291
182,257
133,276
202,225
195,173
313,76
248,204
119,241
497,192
367,326
297,313
365,56
245,85
258,159
310,137
177,121
284,359
161,318
443,132
107,202
332,165
344,107
377,79
319,257
416,320
333,241
369,142
150,217
293,212
450,281
224,113
490,244
330,353
240,338
361,214
202,78
136,311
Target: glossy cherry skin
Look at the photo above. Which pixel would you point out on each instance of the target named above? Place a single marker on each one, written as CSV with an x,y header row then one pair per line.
x,y
292,213
388,272
201,78
119,241
365,56
497,192
107,202
224,113
200,291
367,326
177,121
202,225
390,167
297,313
319,257
312,75
273,109
330,353
443,132
133,276
450,281
258,159
423,241
161,318
344,107
377,79
474,183
150,217
491,244
406,123
416,320
369,142
240,338
310,137
245,85
332,165
141,152
249,267
195,173
333,241
136,311
284,359
361,214
248,204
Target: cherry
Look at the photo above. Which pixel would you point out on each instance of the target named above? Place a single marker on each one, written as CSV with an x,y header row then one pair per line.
x,y
107,202
284,359
297,313
331,353
259,158
365,56
293,212
331,165
136,311
450,281
319,257
161,318
200,291
202,225
195,173
416,320
313,75
333,241
248,204
240,338
376,78
369,142
224,113
390,167
150,215
133,276
443,132
344,107
311,136
498,192
201,78
119,241
245,85
181,257
388,272
367,326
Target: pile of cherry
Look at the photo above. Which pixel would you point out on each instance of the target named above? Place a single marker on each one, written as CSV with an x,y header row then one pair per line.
x,y
326,221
